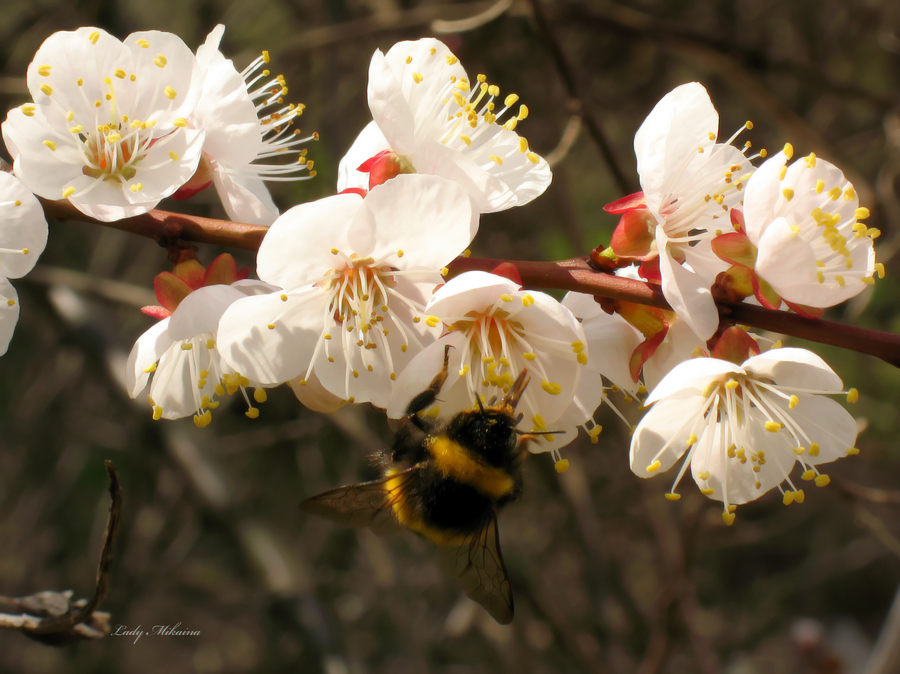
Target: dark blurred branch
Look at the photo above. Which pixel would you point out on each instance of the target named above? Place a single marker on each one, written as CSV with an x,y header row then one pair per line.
x,y
740,68
351,31
627,22
477,20
49,617
878,528
885,656
577,102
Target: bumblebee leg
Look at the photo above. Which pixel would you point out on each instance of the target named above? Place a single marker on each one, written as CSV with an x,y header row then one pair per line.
x,y
429,395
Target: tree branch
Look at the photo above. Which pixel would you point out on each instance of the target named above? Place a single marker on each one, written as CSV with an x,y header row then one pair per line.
x,y
576,274
50,617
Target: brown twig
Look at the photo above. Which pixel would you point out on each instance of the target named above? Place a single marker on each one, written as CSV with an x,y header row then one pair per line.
x,y
577,275
50,617
165,227
573,275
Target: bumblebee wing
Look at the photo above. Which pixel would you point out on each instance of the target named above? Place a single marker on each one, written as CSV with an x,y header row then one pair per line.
x,y
369,504
478,565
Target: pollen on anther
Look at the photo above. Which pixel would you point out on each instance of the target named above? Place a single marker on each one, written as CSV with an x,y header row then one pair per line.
x,y
852,395
417,77
551,387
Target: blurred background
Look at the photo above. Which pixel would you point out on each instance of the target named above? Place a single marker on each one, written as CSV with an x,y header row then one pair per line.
x,y
608,576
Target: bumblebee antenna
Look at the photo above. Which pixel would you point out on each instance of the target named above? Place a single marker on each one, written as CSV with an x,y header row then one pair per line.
x,y
517,389
532,435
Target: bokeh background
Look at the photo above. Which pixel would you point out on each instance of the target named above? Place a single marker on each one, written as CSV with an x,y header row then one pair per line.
x,y
607,575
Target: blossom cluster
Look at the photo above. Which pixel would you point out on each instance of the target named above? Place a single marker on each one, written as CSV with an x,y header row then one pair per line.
x,y
352,301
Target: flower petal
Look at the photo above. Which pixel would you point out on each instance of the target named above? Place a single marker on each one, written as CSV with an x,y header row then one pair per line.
x,y
146,351
389,107
662,435
368,143
687,292
245,198
271,356
794,368
691,377
23,228
470,291
9,313
307,232
671,134
430,219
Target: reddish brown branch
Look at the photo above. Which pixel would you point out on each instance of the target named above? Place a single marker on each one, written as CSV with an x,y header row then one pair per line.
x,y
575,274
165,227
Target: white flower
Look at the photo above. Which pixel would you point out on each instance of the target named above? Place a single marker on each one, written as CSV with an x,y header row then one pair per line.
x,y
744,427
431,118
23,235
107,127
247,125
610,342
679,345
803,219
356,274
497,330
181,355
690,183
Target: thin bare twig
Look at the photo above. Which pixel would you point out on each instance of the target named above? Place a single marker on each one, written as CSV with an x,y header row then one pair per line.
x,y
50,617
477,20
577,100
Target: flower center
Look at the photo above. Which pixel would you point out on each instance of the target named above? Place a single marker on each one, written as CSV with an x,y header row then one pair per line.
x,y
359,296
706,188
112,150
489,336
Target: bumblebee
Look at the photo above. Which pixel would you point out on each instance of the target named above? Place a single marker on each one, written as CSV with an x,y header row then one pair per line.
x,y
445,481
